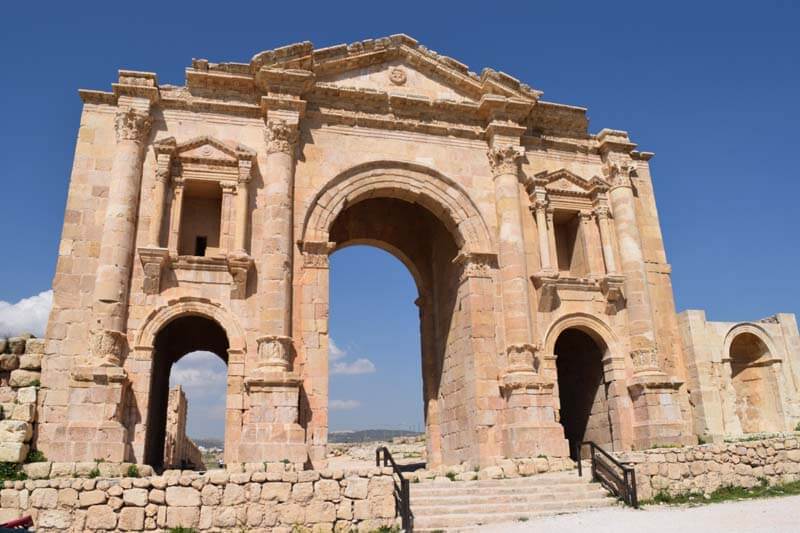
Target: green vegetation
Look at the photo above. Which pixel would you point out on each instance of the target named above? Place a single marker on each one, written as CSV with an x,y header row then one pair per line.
x,y
11,472
797,427
35,383
181,529
522,519
35,456
387,529
133,471
451,476
755,436
728,493
94,472
670,445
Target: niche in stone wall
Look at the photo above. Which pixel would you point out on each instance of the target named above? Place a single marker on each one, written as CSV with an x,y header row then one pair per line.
x,y
756,402
200,219
572,260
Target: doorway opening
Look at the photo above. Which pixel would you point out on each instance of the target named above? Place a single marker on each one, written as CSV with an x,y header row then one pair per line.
x,y
167,444
421,242
582,389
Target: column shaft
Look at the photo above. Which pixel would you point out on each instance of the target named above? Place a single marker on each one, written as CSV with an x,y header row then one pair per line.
x,y
605,240
544,243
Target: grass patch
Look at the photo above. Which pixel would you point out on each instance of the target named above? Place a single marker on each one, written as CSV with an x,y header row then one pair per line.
x,y
35,456
12,472
181,529
670,445
133,471
728,493
797,427
451,476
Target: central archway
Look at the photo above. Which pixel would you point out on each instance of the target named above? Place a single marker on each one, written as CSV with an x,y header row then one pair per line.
x,y
429,223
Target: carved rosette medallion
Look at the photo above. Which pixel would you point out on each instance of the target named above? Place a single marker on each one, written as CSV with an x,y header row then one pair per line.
x,y
132,124
281,137
397,76
505,159
107,347
274,353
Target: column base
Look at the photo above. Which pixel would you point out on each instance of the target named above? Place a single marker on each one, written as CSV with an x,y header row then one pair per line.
x,y
657,412
529,427
270,428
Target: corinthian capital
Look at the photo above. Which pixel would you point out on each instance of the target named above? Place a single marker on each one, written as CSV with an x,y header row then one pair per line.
x,y
132,124
281,136
505,159
618,174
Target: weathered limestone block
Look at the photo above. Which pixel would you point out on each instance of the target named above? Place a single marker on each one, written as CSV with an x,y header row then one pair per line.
x,y
30,362
276,491
44,498
15,431
182,516
92,498
26,395
356,488
38,470
9,361
3,345
101,517
135,497
24,378
16,345
183,497
54,519
131,519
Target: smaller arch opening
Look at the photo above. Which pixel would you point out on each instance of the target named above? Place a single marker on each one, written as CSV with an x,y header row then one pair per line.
x,y
165,443
756,403
583,392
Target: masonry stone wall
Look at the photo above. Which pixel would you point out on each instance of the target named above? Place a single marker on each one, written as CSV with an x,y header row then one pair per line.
x,y
20,371
275,499
707,467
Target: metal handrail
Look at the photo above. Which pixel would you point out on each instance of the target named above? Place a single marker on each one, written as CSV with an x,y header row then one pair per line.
x,y
622,486
402,491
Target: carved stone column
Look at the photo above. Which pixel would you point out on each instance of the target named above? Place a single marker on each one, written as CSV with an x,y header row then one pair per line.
x,y
153,256
505,161
109,310
227,225
653,393
540,211
602,214
242,206
176,211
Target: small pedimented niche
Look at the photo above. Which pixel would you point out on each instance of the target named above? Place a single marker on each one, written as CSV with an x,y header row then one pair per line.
x,y
208,158
562,182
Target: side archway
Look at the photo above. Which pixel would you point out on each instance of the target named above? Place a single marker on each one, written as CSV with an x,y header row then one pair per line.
x,y
754,377
583,357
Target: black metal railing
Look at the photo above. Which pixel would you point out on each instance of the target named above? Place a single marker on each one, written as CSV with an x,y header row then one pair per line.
x,y
618,478
402,491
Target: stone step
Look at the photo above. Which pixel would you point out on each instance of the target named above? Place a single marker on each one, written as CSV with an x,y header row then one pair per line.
x,y
470,520
466,492
508,506
516,497
565,478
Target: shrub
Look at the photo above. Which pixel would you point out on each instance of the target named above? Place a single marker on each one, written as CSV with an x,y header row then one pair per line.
x,y
133,471
181,529
35,456
11,472
94,472
797,427
451,476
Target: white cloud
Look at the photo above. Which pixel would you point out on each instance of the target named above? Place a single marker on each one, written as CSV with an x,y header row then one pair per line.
x,y
200,373
359,366
334,352
343,405
28,315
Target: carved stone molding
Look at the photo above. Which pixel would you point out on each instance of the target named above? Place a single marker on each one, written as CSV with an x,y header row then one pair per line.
x,y
281,136
106,347
522,358
132,124
476,264
618,174
153,262
505,159
315,254
602,212
239,266
245,170
612,288
546,282
274,353
645,360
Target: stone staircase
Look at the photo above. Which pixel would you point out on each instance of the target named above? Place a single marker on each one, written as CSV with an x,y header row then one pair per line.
x,y
444,505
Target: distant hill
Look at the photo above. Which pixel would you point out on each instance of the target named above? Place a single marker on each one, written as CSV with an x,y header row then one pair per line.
x,y
208,442
369,435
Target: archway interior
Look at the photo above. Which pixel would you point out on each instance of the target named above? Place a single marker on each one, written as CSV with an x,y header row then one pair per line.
x,y
181,336
756,405
582,390
421,241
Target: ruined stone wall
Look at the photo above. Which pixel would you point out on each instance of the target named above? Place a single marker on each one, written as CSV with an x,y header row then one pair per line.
x,y
179,450
20,366
707,467
274,498
717,369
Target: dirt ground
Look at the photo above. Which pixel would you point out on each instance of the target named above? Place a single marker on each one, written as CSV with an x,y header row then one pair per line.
x,y
773,515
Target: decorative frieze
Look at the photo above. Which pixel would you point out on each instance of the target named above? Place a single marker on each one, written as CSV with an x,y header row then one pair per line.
x,y
274,352
315,254
476,265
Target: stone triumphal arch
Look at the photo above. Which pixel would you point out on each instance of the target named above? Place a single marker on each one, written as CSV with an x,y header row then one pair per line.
x,y
202,217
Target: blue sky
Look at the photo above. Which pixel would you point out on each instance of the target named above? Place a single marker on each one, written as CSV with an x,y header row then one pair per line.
x,y
710,87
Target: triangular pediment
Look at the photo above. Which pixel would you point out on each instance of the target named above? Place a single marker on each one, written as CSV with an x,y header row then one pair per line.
x,y
565,182
396,65
206,148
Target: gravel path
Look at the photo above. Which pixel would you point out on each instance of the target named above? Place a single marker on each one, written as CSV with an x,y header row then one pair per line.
x,y
773,515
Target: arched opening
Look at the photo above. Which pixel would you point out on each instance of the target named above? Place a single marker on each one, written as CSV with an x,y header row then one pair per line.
x,y
426,247
181,336
582,389
756,403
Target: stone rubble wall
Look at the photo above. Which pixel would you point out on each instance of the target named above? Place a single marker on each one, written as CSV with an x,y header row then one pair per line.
x,y
707,467
20,371
276,499
179,450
